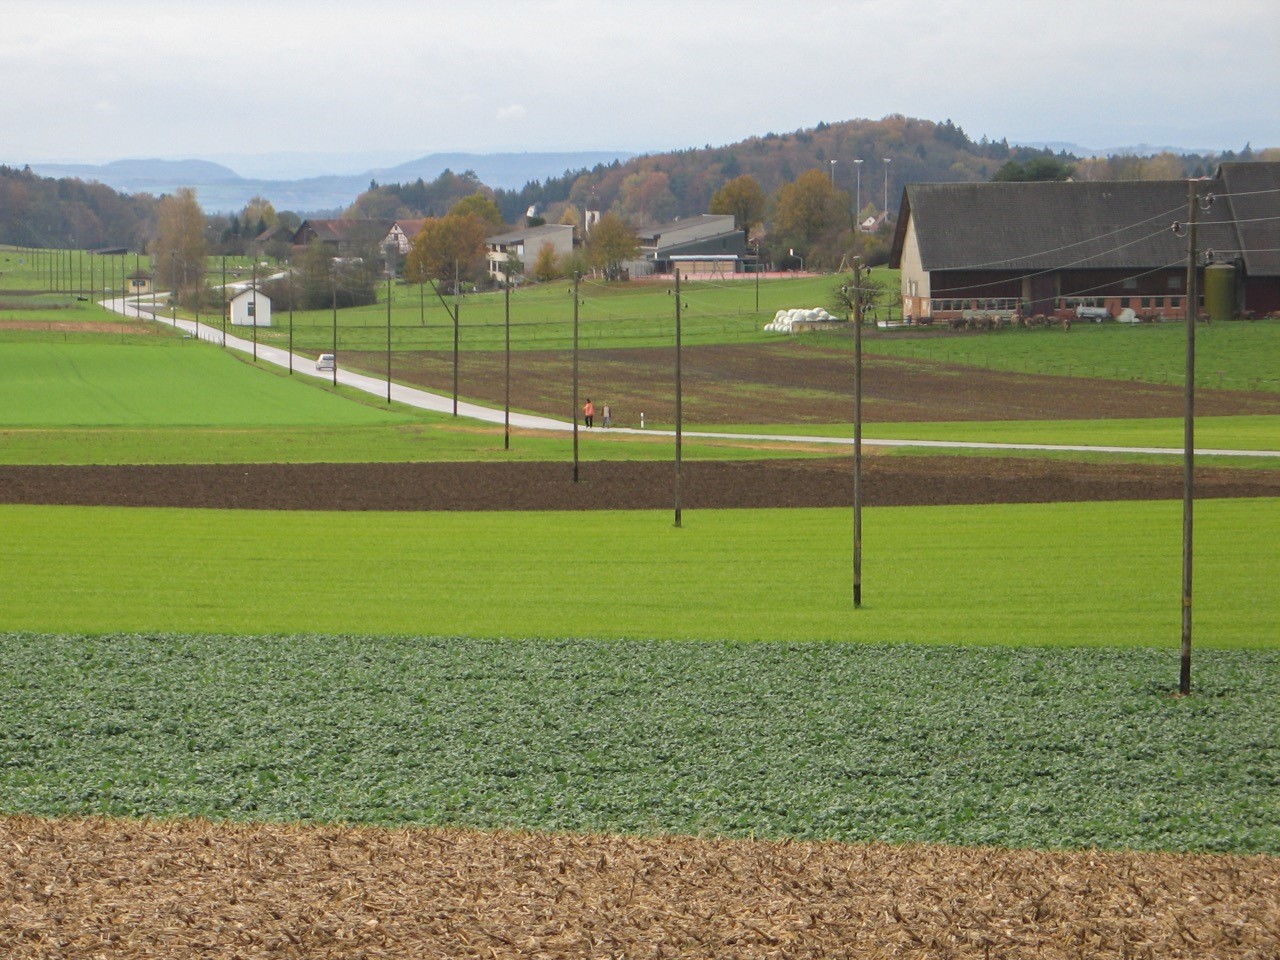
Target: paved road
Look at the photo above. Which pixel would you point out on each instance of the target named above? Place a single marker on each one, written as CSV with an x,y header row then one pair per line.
x,y
424,400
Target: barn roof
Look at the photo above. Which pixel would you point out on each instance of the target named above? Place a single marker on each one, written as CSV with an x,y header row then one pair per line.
x,y
1047,226
1253,192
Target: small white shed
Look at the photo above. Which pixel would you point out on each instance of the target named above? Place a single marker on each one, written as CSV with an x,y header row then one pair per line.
x,y
250,308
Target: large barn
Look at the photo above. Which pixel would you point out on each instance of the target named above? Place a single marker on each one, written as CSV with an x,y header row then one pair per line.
x,y
1048,248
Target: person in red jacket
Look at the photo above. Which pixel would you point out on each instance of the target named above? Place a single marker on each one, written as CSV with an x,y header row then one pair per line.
x,y
588,412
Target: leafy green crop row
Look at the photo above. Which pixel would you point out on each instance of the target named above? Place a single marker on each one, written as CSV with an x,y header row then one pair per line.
x,y
1027,747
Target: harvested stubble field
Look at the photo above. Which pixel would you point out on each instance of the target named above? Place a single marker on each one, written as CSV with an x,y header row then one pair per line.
x,y
92,888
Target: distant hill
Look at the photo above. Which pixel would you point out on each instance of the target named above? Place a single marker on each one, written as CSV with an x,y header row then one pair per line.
x,y
221,190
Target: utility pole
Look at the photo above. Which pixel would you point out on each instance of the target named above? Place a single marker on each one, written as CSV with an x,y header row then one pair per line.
x,y
506,402
1188,441
253,306
388,332
457,306
575,376
679,406
857,432
333,288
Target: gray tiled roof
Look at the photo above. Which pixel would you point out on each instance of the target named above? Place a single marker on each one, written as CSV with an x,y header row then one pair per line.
x,y
1043,226
1253,190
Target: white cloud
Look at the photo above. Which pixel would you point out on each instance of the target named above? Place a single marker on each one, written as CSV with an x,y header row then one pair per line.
x,y
515,111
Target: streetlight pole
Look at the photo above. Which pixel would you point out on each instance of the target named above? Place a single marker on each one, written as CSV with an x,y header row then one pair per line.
x,y
857,204
887,161
833,172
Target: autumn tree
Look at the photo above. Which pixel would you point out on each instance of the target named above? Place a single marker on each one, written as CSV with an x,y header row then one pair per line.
x,y
483,209
810,216
744,198
258,216
611,243
178,250
547,265
442,243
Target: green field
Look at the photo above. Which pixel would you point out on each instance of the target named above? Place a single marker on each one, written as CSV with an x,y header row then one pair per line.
x,y
1088,574
610,315
160,382
1006,682
1234,355
1023,747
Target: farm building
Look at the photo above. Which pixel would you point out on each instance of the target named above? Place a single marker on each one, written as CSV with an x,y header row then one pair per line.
x,y
525,245
401,235
139,282
343,238
710,238
1047,248
250,308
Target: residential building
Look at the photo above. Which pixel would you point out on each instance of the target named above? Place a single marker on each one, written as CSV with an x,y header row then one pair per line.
x,y
525,245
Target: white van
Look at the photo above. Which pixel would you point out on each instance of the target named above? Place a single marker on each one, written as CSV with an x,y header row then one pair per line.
x,y
326,361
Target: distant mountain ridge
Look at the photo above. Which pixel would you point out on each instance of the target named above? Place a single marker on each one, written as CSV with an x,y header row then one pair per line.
x,y
221,190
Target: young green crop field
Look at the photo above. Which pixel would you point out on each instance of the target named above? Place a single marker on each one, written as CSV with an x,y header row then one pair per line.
x,y
159,382
1028,747
1071,574
1235,355
610,315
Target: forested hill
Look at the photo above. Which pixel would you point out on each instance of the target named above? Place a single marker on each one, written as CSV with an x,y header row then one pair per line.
x,y
45,212
657,187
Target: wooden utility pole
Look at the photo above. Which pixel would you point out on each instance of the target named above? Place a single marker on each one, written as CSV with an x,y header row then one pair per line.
x,y
857,432
506,401
388,333
456,307
575,376
1188,437
291,320
679,404
333,292
253,302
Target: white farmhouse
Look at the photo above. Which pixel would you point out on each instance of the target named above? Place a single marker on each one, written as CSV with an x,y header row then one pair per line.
x,y
250,308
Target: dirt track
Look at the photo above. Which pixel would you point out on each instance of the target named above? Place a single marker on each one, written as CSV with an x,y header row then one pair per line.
x,y
77,890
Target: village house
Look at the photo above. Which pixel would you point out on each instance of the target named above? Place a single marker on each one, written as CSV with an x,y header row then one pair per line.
x,y
250,308
524,245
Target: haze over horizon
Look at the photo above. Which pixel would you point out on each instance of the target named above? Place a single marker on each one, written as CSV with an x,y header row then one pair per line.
x,y
323,81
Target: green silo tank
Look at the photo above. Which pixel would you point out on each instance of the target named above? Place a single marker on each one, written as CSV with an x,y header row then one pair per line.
x,y
1220,291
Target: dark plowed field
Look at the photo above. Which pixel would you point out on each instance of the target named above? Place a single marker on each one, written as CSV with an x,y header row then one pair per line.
x,y
791,382
826,482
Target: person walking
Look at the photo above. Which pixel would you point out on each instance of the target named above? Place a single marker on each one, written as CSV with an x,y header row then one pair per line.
x,y
588,412
608,416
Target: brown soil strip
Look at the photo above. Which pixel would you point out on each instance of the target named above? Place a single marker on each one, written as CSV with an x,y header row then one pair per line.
x,y
822,482
89,889
794,382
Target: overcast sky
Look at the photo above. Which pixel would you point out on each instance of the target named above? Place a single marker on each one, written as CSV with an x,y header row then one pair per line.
x,y
97,80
